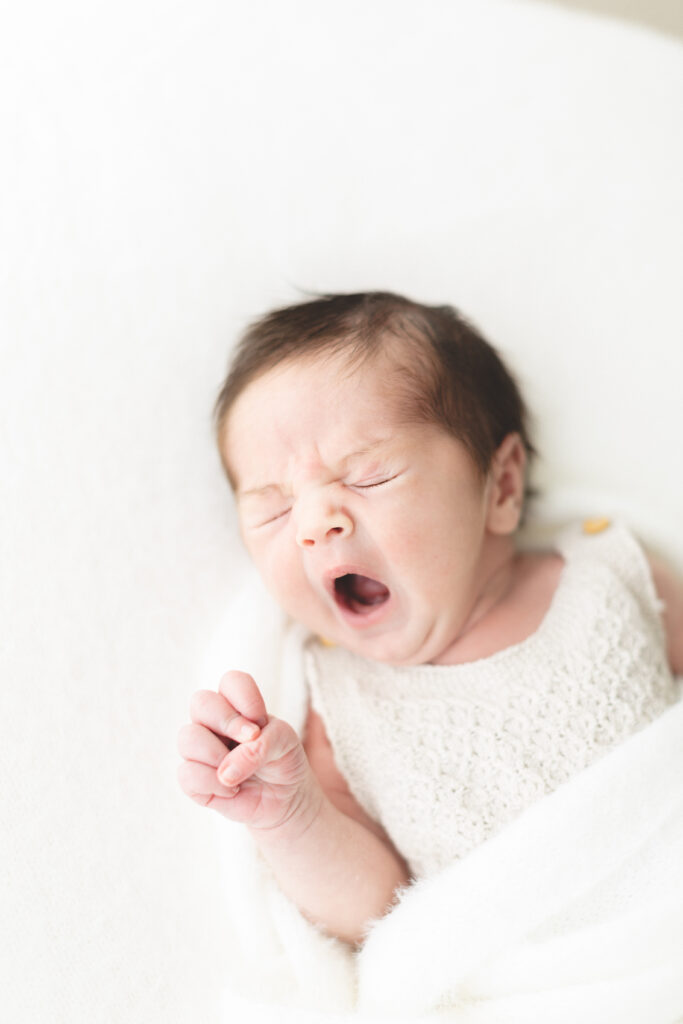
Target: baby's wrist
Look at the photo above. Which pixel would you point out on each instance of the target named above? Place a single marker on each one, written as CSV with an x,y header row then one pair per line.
x,y
298,819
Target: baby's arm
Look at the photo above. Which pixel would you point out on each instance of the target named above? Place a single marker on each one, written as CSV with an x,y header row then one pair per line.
x,y
670,589
338,869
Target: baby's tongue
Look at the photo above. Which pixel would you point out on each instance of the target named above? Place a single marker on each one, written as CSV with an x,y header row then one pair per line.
x,y
368,591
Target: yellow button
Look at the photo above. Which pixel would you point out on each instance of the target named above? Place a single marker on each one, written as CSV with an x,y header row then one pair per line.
x,y
595,525
325,642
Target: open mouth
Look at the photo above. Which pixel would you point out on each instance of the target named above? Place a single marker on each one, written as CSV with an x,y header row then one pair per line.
x,y
359,594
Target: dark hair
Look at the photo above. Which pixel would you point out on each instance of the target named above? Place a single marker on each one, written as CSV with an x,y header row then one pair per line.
x,y
449,374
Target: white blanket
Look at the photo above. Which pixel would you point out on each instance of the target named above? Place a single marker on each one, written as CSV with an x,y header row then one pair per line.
x,y
574,912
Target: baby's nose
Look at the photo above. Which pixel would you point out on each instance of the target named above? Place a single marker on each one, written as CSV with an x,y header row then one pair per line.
x,y
319,521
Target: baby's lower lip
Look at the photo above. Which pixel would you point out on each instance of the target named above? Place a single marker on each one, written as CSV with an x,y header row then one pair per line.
x,y
361,600
368,618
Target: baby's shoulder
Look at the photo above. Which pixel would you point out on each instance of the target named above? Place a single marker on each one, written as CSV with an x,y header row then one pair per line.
x,y
587,558
607,546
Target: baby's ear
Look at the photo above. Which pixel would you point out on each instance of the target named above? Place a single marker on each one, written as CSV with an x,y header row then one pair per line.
x,y
506,485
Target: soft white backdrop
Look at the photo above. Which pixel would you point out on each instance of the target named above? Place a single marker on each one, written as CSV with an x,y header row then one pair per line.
x,y
169,170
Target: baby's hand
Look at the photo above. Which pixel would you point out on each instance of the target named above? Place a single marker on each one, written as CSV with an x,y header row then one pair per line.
x,y
262,778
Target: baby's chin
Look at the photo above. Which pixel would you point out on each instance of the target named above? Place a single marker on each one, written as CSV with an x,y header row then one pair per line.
x,y
401,643
395,648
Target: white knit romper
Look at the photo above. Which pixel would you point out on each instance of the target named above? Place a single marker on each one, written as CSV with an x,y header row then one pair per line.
x,y
442,756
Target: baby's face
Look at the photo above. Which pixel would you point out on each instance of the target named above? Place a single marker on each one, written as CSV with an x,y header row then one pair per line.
x,y
370,531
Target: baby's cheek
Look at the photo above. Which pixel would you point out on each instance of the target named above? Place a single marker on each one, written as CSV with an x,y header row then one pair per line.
x,y
403,539
267,560
283,574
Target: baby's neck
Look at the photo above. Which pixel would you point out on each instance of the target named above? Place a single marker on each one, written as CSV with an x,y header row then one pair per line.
x,y
498,574
514,598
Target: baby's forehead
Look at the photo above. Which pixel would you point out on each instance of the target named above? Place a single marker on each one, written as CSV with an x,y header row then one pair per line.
x,y
352,388
337,370
350,406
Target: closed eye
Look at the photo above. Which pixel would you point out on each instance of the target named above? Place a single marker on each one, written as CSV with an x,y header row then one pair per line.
x,y
376,483
272,519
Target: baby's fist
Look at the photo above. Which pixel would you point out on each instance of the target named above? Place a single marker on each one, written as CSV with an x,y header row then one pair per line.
x,y
265,779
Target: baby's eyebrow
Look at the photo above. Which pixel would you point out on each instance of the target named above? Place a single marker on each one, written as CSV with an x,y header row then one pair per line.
x,y
367,449
257,490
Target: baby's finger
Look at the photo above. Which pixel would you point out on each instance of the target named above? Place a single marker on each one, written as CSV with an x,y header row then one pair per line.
x,y
263,756
240,690
242,762
196,743
200,782
213,711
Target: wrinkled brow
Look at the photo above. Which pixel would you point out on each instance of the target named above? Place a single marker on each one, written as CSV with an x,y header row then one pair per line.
x,y
367,449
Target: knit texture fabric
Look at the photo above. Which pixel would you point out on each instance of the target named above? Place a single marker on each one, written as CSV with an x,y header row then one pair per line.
x,y
443,756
